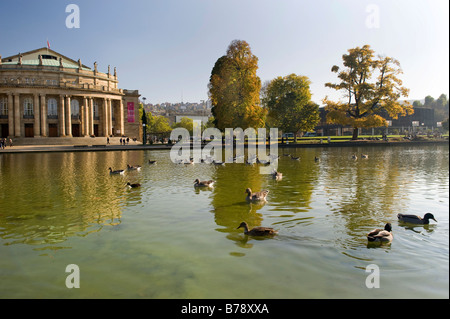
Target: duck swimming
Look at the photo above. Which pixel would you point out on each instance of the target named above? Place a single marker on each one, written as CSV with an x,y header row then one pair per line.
x,y
134,168
258,196
257,231
120,171
277,175
381,235
133,185
413,219
198,183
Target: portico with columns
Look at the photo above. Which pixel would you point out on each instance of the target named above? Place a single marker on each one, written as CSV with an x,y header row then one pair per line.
x,y
41,97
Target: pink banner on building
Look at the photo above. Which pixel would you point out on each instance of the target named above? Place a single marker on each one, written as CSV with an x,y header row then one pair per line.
x,y
130,108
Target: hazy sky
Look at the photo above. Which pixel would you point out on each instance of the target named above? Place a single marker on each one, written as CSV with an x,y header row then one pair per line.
x,y
167,48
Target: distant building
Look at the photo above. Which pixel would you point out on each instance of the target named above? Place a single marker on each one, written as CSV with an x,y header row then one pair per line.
x,y
46,94
422,117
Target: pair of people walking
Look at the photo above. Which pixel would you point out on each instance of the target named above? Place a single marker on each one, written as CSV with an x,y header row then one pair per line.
x,y
3,143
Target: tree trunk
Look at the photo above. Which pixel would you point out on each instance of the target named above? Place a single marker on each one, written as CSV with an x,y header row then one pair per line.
x,y
355,133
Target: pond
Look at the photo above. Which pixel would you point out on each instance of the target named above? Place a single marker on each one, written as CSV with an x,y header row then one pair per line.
x,y
168,239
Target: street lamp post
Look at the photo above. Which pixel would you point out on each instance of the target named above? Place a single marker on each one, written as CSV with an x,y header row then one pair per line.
x,y
144,124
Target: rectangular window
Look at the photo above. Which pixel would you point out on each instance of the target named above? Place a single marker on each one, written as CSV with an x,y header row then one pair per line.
x,y
28,108
96,116
3,106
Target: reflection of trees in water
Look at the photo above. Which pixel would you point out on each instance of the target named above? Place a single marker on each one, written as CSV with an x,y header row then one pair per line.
x,y
53,196
294,192
290,196
370,192
230,207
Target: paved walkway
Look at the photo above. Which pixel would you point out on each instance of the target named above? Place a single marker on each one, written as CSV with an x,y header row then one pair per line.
x,y
138,146
79,148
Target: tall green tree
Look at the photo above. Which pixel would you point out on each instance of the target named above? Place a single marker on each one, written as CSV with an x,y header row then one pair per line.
x,y
370,85
440,106
160,124
234,89
445,124
429,101
288,100
186,123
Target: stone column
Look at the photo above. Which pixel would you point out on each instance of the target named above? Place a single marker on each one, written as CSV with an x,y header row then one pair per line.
x,y
110,123
17,128
10,115
105,117
61,117
43,116
68,117
37,118
84,118
91,116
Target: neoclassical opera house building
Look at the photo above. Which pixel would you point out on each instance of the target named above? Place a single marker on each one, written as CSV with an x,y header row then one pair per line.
x,y
46,94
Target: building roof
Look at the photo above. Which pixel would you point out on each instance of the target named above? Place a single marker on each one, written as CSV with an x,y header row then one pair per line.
x,y
32,58
48,62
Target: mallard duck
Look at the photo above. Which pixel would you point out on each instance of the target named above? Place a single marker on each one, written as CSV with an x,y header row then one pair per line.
x,y
364,156
258,196
277,175
151,162
134,168
381,235
120,171
198,183
296,158
133,185
413,219
263,162
354,157
257,231
316,159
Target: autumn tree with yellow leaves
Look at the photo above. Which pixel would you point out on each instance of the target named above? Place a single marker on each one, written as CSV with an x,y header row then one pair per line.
x,y
370,85
234,89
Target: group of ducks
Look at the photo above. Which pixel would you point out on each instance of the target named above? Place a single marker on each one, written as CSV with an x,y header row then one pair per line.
x,y
129,168
377,235
385,235
355,157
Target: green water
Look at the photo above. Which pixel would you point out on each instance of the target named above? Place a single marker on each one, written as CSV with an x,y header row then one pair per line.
x,y
167,239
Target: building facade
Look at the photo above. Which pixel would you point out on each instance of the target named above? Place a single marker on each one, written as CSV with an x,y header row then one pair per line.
x,y
422,117
46,94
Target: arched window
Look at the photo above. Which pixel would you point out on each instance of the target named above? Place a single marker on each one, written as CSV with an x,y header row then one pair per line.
x,y
75,108
3,106
52,108
28,107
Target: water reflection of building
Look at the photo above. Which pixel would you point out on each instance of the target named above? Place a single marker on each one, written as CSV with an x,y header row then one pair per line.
x,y
49,197
46,94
